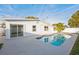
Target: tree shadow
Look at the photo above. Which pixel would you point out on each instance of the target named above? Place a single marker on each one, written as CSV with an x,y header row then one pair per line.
x,y
1,45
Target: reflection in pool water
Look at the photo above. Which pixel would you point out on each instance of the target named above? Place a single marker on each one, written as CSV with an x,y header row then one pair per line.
x,y
46,39
55,40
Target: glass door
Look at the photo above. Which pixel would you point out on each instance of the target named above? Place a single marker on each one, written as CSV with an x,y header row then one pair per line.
x,y
16,30
20,30
13,30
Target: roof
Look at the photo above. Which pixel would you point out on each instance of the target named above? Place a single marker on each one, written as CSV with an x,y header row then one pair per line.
x,y
20,19
23,19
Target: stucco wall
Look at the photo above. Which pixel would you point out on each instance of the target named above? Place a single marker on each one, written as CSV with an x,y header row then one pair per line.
x,y
27,27
71,30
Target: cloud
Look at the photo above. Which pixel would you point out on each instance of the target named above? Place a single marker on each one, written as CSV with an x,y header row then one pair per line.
x,y
69,9
46,11
64,14
7,11
9,8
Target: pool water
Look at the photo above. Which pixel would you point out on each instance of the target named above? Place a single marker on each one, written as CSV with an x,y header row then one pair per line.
x,y
46,40
56,40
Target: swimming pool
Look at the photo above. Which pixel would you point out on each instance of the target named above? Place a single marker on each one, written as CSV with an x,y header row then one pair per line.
x,y
55,40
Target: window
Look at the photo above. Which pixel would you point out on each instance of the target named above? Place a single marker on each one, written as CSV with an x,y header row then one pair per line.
x,y
45,28
34,28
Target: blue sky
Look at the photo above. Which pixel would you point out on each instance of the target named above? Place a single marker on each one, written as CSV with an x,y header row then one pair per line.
x,y
52,13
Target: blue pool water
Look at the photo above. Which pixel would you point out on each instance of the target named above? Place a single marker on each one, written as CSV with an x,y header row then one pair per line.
x,y
56,40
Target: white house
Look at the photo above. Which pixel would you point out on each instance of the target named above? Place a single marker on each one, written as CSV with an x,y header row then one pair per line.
x,y
15,27
26,27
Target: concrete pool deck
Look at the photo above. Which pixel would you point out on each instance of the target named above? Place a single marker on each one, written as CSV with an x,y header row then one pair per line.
x,y
32,46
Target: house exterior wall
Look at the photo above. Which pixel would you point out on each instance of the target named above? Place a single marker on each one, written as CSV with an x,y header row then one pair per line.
x,y
71,30
27,28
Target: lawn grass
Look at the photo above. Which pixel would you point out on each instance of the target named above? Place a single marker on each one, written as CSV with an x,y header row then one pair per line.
x,y
1,44
75,49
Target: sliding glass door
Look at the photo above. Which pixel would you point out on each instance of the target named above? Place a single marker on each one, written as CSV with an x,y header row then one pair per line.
x,y
13,30
20,30
16,30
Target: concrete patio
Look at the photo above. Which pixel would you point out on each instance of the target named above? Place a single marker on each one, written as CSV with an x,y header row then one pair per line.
x,y
32,46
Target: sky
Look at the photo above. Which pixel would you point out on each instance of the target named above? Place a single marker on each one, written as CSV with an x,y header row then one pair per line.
x,y
52,13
